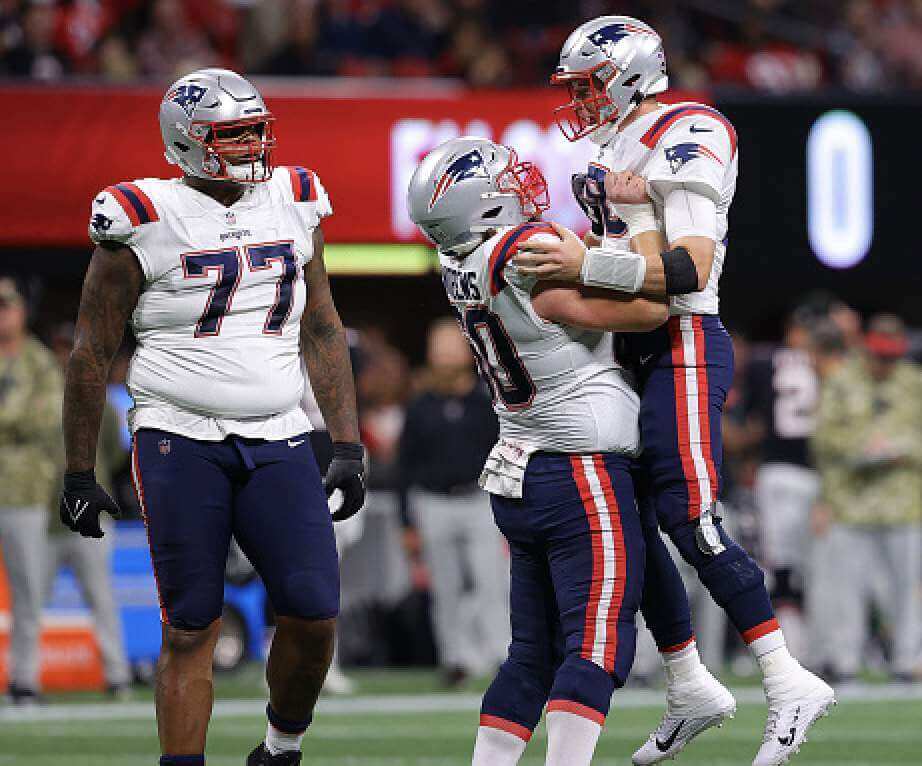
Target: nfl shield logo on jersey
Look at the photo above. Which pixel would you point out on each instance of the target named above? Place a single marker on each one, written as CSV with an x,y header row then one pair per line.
x,y
230,218
164,445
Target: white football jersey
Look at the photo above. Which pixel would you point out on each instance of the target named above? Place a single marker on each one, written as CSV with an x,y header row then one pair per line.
x,y
218,319
680,143
554,388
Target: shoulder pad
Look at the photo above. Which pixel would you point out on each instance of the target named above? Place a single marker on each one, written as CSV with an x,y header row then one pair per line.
x,y
117,212
506,247
707,122
305,186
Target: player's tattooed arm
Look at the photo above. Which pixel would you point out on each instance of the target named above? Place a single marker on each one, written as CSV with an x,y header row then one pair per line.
x,y
326,353
110,293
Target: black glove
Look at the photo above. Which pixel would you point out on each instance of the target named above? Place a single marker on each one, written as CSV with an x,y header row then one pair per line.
x,y
82,501
347,473
590,198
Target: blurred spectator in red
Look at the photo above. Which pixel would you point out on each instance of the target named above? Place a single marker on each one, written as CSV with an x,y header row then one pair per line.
x,y
762,62
172,46
36,55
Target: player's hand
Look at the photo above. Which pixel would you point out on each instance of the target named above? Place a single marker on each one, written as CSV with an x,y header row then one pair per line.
x,y
347,474
82,501
560,259
625,187
590,198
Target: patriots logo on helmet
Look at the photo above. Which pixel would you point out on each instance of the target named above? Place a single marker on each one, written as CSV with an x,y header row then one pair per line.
x,y
187,96
470,165
679,154
608,37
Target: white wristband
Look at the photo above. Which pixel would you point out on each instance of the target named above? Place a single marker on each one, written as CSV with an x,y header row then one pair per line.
x,y
613,269
638,218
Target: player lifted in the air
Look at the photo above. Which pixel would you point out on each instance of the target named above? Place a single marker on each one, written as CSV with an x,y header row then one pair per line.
x,y
663,182
562,492
221,276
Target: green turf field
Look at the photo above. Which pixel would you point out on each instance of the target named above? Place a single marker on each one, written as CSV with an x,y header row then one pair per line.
x,y
437,729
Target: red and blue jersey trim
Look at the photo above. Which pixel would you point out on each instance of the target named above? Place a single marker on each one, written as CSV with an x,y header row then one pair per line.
x,y
303,184
137,205
666,121
505,249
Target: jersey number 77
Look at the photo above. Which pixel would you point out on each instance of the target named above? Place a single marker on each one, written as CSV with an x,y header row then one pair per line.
x,y
497,358
226,268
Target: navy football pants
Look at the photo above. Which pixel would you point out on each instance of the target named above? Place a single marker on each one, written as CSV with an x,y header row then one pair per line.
x,y
686,370
268,494
577,556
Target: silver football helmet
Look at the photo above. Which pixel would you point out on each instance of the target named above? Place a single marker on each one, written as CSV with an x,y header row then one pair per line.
x,y
609,65
468,186
215,125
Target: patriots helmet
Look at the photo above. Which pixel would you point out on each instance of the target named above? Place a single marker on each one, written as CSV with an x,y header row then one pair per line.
x,y
467,187
609,65
215,125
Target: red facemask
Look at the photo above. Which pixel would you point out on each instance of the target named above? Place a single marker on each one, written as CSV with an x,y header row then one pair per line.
x,y
588,97
223,149
526,181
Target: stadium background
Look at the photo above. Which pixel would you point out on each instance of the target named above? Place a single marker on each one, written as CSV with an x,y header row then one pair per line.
x,y
826,101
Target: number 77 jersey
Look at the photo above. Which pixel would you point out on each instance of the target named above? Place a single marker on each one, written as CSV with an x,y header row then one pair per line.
x,y
218,319
554,388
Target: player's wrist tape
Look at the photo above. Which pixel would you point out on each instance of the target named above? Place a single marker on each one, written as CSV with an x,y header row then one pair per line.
x,y
79,480
680,272
638,218
348,451
614,270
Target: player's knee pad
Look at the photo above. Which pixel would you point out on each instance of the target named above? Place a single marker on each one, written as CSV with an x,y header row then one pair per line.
x,y
726,573
309,595
585,683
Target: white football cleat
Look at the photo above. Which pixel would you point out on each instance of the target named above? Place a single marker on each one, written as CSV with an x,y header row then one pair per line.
x,y
692,705
796,700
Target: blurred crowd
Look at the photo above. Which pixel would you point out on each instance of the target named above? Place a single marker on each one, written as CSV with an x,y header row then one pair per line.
x,y
822,480
765,45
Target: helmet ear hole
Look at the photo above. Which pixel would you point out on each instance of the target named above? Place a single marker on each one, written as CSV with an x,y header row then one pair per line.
x,y
181,147
492,212
631,81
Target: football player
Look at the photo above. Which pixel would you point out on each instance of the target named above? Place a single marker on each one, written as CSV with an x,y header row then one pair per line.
x,y
663,182
221,275
559,477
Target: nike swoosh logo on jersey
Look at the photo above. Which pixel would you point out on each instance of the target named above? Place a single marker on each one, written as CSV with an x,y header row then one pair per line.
x,y
696,129
295,444
670,740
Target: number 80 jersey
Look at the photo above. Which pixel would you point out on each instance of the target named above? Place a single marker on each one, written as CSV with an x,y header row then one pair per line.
x,y
218,319
555,388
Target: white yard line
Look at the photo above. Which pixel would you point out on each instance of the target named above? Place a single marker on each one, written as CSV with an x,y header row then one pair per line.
x,y
408,704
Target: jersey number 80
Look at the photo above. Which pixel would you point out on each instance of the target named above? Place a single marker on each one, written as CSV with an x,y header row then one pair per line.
x,y
497,358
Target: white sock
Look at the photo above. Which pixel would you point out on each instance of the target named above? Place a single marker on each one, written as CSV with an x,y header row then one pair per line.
x,y
498,747
777,662
281,742
682,664
571,739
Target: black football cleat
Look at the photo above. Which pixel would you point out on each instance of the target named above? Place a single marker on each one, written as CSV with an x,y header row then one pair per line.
x,y
262,757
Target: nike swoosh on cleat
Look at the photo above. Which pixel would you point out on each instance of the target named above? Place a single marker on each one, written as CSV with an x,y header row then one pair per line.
x,y
670,740
295,444
788,740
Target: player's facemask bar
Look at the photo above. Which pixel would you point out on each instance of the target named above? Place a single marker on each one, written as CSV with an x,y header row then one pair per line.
x,y
589,106
526,181
237,150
